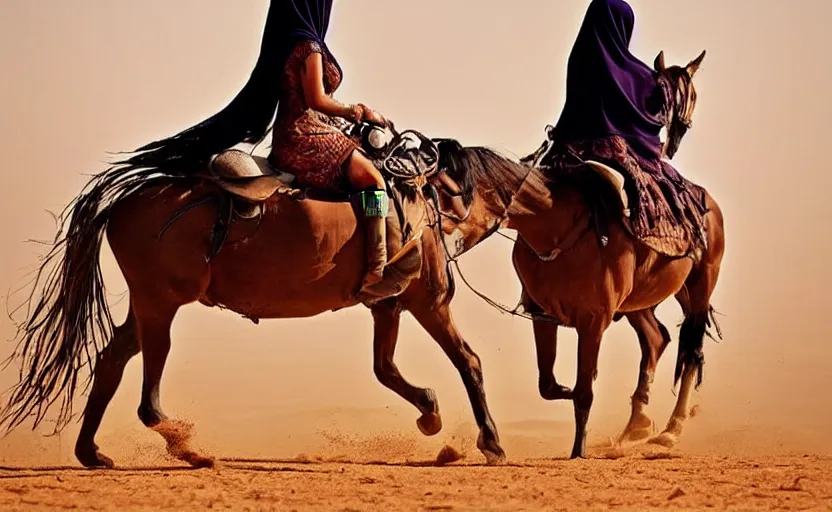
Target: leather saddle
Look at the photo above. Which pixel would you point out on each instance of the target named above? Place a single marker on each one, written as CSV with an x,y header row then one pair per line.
x,y
407,159
610,175
250,180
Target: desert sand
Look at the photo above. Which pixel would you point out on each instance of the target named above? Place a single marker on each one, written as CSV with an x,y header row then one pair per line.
x,y
338,462
396,472
630,483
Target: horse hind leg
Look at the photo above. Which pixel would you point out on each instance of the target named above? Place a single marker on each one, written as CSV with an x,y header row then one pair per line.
x,y
653,338
689,364
154,322
694,298
109,369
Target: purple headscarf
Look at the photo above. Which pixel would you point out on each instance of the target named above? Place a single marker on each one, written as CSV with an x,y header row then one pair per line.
x,y
608,90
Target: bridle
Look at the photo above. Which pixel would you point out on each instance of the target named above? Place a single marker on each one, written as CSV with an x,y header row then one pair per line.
x,y
679,103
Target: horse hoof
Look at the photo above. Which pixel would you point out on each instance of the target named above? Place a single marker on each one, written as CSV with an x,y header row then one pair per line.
x,y
636,435
638,430
493,452
429,424
556,392
497,458
93,459
665,439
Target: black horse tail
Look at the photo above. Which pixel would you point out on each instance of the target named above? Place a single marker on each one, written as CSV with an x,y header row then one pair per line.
x,y
692,334
68,320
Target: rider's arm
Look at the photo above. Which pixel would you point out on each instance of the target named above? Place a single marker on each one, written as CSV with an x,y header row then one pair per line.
x,y
316,97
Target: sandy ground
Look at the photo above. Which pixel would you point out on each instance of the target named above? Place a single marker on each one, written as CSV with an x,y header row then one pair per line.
x,y
349,468
633,482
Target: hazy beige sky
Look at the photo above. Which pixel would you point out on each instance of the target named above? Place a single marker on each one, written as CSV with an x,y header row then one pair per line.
x,y
86,77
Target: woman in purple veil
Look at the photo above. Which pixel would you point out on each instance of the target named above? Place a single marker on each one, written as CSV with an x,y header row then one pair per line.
x,y
614,113
609,91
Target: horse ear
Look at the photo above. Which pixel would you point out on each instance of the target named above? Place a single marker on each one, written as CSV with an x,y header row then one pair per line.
x,y
693,67
658,64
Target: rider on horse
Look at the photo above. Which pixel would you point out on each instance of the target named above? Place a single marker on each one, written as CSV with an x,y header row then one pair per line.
x,y
609,91
615,109
292,82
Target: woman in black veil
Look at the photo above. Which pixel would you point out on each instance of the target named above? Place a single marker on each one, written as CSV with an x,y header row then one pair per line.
x,y
290,90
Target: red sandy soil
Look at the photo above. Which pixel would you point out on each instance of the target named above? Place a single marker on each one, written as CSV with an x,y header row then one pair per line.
x,y
375,459
402,471
633,482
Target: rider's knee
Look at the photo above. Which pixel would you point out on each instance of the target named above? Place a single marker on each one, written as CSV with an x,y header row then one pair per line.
x,y
362,174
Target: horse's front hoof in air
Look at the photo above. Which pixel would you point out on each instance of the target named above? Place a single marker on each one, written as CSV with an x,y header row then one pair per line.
x,y
555,391
430,423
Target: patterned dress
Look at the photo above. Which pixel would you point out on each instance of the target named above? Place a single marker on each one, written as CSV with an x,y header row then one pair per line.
x,y
305,142
667,210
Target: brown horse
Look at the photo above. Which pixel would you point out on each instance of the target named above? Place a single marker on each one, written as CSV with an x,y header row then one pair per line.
x,y
301,257
586,285
569,279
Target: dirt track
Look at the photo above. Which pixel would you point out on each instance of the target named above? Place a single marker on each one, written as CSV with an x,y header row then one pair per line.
x,y
633,482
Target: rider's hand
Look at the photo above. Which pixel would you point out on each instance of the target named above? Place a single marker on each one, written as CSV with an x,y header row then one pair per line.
x,y
373,117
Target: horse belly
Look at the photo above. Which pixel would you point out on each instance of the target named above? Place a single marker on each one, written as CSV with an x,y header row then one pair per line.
x,y
306,259
656,278
572,288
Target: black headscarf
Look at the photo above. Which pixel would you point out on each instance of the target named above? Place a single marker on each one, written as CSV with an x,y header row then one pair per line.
x,y
248,117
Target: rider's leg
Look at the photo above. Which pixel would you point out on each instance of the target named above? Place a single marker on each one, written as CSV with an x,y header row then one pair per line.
x,y
364,176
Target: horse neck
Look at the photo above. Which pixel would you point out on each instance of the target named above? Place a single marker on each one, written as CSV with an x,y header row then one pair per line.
x,y
545,213
489,207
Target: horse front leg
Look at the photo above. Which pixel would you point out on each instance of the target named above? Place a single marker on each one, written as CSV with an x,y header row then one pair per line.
x,y
386,318
546,345
436,318
589,345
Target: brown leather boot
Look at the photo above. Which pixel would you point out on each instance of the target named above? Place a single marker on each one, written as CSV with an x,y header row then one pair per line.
x,y
375,205
385,278
375,238
399,272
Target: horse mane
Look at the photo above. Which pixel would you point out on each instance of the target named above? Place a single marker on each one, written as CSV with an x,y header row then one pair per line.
x,y
474,168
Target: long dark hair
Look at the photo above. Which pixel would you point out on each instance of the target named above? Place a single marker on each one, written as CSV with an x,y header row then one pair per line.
x,y
248,117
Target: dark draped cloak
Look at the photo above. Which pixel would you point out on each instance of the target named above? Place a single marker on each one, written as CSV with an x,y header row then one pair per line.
x,y
249,115
609,91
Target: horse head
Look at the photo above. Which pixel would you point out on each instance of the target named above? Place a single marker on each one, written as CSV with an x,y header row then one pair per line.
x,y
679,99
